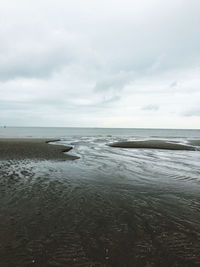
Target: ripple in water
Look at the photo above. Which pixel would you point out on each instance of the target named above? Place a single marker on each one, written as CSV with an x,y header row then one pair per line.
x,y
112,207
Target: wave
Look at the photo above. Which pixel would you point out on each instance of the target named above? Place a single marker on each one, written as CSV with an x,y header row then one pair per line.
x,y
153,144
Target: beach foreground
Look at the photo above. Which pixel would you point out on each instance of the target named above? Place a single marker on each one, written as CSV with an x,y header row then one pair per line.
x,y
72,213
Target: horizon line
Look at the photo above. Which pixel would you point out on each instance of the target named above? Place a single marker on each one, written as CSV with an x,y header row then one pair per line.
x,y
97,127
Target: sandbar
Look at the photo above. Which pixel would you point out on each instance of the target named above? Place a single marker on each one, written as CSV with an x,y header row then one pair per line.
x,y
153,144
33,148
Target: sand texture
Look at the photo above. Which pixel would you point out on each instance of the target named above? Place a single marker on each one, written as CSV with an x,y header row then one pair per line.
x,y
27,148
112,208
47,220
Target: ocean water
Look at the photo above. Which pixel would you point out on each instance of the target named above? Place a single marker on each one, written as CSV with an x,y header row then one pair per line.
x,y
111,207
59,132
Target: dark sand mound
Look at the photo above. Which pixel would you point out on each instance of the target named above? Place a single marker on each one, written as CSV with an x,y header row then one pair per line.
x,y
152,144
195,142
25,148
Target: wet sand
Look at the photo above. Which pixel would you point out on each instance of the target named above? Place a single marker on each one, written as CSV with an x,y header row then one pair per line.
x,y
49,218
153,144
28,148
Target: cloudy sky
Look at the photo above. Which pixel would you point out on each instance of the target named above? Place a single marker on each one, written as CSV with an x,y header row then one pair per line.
x,y
100,63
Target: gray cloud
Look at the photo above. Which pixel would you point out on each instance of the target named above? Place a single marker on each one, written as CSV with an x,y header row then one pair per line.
x,y
103,57
174,84
151,107
192,112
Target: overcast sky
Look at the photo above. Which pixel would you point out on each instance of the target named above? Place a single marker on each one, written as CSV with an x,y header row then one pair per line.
x,y
100,63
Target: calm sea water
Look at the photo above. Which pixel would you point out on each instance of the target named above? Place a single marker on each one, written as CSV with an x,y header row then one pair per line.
x,y
54,132
115,206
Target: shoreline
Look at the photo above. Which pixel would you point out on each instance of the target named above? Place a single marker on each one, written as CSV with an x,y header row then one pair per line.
x,y
33,148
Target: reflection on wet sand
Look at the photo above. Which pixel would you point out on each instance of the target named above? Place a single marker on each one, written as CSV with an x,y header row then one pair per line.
x,y
111,207
48,221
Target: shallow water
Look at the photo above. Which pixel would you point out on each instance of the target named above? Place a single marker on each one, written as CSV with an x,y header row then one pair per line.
x,y
112,207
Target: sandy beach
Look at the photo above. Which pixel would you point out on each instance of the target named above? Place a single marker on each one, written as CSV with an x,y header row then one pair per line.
x,y
33,148
96,211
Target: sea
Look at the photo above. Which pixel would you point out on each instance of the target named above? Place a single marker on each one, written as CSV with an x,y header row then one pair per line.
x,y
61,132
111,207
